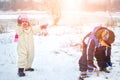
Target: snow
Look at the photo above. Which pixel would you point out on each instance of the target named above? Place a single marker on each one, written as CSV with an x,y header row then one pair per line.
x,y
56,56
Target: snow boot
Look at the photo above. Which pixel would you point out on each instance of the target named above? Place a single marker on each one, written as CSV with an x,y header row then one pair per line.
x,y
21,72
80,78
83,75
104,70
29,69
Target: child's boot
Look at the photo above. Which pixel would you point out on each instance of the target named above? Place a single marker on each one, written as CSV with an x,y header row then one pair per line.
x,y
83,74
29,69
21,72
105,70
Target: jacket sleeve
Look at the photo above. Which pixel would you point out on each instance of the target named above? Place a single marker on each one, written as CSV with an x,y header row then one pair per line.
x,y
19,30
36,29
90,49
108,54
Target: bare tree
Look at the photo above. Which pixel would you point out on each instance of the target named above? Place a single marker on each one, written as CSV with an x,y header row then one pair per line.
x,y
54,8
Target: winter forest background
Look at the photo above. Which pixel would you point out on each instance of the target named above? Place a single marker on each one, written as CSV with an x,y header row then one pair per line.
x,y
92,5
57,54
63,10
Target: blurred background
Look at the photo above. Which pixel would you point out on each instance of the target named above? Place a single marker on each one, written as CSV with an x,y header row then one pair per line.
x,y
88,5
61,12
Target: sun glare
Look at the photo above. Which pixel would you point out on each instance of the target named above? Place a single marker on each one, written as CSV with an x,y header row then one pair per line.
x,y
71,11
71,5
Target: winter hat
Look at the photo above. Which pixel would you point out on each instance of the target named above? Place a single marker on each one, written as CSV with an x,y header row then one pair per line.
x,y
108,36
111,38
23,18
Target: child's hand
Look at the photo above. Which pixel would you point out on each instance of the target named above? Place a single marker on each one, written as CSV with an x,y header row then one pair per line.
x,y
44,26
110,64
16,37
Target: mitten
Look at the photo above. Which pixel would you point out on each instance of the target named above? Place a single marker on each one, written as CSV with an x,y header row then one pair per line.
x,y
44,26
16,37
110,64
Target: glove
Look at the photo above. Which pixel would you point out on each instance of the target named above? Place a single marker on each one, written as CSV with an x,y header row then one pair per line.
x,y
90,68
16,37
44,26
110,64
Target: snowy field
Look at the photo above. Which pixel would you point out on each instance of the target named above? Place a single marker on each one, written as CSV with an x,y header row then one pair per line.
x,y
56,56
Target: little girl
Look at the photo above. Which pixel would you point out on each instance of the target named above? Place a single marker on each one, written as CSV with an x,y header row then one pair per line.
x,y
25,46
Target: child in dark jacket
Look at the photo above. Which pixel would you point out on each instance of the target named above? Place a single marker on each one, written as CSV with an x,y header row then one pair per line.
x,y
96,45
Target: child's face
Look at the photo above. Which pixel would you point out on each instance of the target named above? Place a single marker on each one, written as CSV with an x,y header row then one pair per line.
x,y
25,23
105,35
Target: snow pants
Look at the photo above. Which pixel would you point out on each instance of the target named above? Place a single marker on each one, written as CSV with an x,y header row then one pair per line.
x,y
25,48
102,55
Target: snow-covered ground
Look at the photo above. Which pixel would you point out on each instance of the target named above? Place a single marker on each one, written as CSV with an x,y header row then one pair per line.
x,y
56,56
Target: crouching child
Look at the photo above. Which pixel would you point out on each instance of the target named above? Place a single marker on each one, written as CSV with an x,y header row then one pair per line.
x,y
96,40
